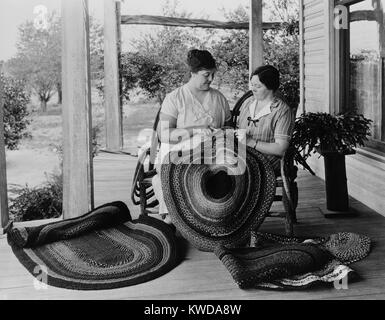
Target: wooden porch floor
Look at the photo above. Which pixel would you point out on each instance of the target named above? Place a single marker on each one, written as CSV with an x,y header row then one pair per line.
x,y
201,275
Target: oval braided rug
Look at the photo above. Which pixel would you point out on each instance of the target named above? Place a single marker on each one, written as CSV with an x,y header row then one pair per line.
x,y
218,203
87,256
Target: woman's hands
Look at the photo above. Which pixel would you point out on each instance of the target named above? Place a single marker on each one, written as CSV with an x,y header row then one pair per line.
x,y
203,131
240,134
171,135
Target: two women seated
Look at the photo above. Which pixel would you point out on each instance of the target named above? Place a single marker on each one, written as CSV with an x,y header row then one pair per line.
x,y
196,108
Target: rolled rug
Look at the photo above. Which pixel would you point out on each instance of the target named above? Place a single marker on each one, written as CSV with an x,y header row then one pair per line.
x,y
251,267
104,216
218,191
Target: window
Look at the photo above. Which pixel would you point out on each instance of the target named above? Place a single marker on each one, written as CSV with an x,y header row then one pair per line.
x,y
364,50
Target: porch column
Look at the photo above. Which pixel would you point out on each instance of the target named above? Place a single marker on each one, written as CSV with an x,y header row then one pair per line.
x,y
112,102
77,155
3,172
301,107
255,35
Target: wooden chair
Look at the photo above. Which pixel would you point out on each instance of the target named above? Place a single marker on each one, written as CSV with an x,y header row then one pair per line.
x,y
286,178
142,192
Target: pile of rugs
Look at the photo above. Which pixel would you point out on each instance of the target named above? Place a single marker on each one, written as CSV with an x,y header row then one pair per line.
x,y
215,205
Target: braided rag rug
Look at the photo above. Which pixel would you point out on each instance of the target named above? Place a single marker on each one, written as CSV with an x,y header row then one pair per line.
x,y
286,263
215,205
102,249
215,193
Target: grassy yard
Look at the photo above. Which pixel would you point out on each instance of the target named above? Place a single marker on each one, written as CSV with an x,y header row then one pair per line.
x,y
37,156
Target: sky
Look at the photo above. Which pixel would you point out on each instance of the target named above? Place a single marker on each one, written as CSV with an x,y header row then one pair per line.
x,y
15,12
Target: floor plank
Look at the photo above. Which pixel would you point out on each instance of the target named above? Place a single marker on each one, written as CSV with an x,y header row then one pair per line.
x,y
201,275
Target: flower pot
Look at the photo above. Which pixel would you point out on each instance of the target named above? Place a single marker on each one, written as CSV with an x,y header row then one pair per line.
x,y
337,196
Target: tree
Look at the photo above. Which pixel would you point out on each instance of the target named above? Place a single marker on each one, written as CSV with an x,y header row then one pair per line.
x,y
15,111
153,66
38,58
281,10
281,49
96,49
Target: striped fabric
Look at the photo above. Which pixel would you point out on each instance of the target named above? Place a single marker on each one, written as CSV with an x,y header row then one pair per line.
x,y
279,123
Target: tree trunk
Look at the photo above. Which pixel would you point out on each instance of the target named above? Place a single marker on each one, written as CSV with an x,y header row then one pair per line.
x,y
43,105
59,93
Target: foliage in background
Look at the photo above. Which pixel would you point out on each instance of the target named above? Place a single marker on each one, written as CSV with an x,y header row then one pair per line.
x,y
42,202
158,62
46,200
38,57
281,49
15,111
323,131
38,61
139,70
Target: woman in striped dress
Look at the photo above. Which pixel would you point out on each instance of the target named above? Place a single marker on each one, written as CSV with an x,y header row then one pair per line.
x,y
266,117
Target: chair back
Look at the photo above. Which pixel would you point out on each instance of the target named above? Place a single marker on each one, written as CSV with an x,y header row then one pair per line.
x,y
155,142
292,154
237,107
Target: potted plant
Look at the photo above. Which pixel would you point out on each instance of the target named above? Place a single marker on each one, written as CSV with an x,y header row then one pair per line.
x,y
333,137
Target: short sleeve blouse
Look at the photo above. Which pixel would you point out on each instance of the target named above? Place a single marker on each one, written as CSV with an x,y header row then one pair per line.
x,y
277,122
182,105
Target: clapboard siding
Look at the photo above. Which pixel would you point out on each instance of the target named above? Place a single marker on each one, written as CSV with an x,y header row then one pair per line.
x,y
315,56
312,85
317,94
314,33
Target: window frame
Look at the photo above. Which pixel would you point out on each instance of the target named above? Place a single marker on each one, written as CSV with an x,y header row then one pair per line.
x,y
342,75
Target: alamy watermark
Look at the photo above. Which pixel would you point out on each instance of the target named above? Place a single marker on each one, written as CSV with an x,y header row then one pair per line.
x,y
40,282
341,284
220,148
341,17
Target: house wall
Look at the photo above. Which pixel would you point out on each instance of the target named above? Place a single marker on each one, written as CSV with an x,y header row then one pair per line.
x,y
315,56
365,170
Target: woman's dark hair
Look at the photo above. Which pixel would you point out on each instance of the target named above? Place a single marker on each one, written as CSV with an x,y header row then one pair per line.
x,y
269,76
200,59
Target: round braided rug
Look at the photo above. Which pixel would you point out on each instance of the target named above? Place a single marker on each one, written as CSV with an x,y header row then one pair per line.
x,y
215,202
126,254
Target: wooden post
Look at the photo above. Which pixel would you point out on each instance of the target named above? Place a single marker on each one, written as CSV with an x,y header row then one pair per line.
x,y
77,157
255,35
3,171
113,113
301,108
119,43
